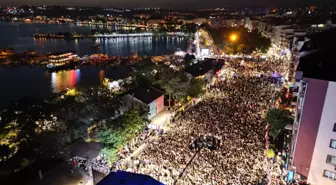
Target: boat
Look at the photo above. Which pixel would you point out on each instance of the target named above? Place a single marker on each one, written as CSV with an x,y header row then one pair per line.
x,y
62,61
69,66
7,52
95,45
99,57
30,52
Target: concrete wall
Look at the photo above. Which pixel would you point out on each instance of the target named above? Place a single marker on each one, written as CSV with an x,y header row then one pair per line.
x,y
310,121
325,134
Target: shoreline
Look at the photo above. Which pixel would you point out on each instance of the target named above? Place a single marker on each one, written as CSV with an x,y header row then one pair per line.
x,y
74,36
80,65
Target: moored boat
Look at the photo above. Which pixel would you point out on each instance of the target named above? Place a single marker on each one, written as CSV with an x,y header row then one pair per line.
x,y
95,45
7,52
62,60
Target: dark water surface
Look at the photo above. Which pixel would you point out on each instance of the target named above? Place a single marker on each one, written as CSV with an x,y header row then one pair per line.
x,y
36,82
19,37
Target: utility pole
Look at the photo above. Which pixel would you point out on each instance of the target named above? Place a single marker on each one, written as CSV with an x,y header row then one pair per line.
x,y
185,168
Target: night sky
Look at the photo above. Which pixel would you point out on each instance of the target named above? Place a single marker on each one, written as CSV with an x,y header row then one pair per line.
x,y
171,3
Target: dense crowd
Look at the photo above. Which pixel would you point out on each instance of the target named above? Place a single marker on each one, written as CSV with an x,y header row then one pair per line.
x,y
131,146
231,114
99,164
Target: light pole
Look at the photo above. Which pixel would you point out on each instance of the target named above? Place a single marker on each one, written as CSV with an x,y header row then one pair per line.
x,y
233,38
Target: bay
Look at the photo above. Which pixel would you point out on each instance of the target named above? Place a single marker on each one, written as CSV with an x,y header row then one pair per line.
x,y
19,36
19,82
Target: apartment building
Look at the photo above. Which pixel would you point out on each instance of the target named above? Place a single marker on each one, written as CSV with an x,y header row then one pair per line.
x,y
313,151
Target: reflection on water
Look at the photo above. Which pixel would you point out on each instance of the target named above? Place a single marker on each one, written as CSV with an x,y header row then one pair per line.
x,y
63,80
101,75
19,82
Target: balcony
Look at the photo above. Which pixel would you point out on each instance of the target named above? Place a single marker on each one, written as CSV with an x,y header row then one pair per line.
x,y
294,99
295,93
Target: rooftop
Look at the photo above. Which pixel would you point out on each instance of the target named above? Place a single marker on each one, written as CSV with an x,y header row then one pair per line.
x,y
326,39
146,94
203,67
319,64
277,21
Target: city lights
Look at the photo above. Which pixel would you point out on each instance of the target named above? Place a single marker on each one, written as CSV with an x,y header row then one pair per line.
x,y
178,96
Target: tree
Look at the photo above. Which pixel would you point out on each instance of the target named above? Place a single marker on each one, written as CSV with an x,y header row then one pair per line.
x,y
111,138
176,89
133,123
196,88
5,151
116,133
278,120
247,42
190,28
270,153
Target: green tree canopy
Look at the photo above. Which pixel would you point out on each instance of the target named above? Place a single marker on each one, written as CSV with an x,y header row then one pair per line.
x,y
246,43
196,88
278,120
116,133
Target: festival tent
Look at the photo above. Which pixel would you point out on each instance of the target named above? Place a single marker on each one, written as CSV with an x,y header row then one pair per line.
x,y
127,178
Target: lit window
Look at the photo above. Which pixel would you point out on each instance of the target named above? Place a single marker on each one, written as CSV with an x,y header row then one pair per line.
x,y
333,143
329,175
331,160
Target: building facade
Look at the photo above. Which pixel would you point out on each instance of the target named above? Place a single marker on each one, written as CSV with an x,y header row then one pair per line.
x,y
145,96
314,132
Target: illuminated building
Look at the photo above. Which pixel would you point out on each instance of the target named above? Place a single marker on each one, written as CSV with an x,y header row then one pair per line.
x,y
313,148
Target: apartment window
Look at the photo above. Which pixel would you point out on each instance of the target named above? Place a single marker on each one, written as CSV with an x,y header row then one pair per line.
x,y
331,159
334,127
329,175
333,144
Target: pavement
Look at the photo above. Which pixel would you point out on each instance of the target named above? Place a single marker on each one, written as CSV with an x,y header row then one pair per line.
x,y
159,120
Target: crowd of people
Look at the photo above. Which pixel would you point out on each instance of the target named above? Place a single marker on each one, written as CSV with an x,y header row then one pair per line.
x,y
231,114
99,164
133,145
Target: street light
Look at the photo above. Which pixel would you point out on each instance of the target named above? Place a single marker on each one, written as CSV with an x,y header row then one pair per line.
x,y
233,37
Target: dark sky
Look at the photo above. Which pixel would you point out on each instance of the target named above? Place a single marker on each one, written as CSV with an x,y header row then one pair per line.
x,y
171,3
